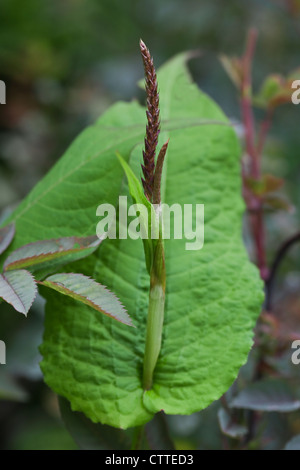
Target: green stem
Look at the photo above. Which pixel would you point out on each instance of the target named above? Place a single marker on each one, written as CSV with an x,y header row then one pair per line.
x,y
138,438
155,315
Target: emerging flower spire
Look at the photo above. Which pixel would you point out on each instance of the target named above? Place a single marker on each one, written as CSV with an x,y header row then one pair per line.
x,y
153,123
152,172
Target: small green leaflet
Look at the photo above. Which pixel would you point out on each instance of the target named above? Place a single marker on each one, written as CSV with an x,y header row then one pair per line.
x,y
138,196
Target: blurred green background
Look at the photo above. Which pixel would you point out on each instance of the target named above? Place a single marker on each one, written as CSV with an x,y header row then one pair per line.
x,y
64,62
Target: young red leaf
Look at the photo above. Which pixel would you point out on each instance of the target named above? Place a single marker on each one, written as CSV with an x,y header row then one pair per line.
x,y
267,184
277,203
18,288
48,253
6,235
234,68
275,91
89,292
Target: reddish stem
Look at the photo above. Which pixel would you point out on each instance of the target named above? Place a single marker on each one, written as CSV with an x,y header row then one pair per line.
x,y
259,240
253,202
246,104
263,131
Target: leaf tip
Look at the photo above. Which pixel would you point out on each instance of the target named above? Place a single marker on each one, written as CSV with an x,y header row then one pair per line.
x,y
7,234
142,45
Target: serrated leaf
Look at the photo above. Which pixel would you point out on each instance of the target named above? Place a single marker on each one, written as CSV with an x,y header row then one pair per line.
x,y
213,296
6,236
267,395
18,288
90,292
49,254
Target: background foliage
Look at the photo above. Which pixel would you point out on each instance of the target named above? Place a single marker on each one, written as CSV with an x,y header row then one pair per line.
x,y
64,62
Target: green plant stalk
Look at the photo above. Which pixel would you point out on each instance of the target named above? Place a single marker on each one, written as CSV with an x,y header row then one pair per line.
x,y
138,438
155,314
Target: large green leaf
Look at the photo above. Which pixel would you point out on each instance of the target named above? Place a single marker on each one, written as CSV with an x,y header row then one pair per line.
x,y
213,295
